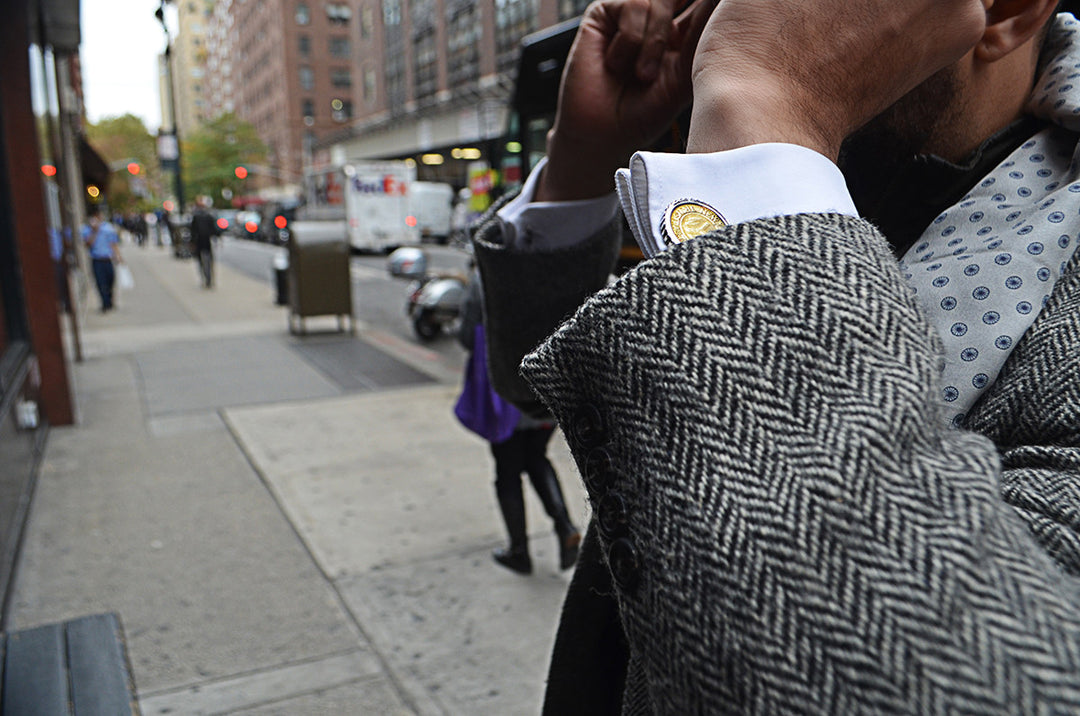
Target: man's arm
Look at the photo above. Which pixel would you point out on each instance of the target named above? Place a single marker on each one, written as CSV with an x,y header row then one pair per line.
x,y
626,79
788,526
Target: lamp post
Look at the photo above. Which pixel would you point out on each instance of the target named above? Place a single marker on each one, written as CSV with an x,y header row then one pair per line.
x,y
174,143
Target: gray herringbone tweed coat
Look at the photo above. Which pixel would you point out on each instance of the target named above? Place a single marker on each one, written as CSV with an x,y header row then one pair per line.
x,y
788,526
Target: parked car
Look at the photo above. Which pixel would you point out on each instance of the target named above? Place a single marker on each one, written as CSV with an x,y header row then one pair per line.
x,y
226,220
246,225
275,218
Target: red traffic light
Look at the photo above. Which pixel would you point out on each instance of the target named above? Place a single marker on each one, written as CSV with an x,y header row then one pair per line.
x,y
134,168
223,223
280,221
48,170
241,172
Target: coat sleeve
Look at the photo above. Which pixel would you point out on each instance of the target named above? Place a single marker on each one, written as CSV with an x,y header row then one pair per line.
x,y
527,294
788,526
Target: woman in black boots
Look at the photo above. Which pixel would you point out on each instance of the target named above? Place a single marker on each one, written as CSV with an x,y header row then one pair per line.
x,y
524,451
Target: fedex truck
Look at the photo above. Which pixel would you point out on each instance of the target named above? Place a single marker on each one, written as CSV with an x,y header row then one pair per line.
x,y
377,205
377,208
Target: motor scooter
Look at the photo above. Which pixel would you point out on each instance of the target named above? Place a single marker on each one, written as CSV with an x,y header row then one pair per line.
x,y
434,299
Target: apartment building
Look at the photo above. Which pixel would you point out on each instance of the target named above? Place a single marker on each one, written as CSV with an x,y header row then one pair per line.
x,y
329,80
437,76
190,52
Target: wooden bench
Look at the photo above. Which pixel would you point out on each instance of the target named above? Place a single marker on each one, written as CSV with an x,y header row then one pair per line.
x,y
75,667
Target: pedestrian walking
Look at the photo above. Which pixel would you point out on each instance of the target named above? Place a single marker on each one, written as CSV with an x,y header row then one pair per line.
x,y
518,445
103,244
203,230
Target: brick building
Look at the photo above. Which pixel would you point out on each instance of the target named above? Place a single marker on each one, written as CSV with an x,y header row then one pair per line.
x,y
371,78
438,75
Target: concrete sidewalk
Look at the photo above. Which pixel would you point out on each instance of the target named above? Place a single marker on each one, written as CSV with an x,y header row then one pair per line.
x,y
285,525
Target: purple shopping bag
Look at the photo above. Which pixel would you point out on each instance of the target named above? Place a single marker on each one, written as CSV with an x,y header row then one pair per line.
x,y
479,407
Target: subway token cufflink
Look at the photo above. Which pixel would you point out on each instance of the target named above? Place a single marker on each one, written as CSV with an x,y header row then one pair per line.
x,y
685,219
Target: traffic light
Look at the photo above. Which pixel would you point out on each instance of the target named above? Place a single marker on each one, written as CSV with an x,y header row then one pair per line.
x,y
241,172
133,168
48,170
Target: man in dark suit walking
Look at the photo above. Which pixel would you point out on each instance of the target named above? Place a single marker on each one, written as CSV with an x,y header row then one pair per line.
x,y
203,230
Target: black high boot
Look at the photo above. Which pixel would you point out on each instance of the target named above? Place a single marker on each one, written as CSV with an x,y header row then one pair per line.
x,y
546,484
512,505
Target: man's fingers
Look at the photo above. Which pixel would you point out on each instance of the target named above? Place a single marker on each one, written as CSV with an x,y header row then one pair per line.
x,y
657,32
630,19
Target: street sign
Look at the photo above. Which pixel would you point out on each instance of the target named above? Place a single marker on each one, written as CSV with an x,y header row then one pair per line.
x,y
168,148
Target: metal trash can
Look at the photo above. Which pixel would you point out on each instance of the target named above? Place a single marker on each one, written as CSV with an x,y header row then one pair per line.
x,y
280,267
319,282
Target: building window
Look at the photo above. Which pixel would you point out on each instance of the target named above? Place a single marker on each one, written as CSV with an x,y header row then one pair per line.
x,y
340,77
338,13
367,23
303,14
396,91
340,47
513,20
462,40
425,54
305,45
307,78
391,12
308,108
369,86
425,63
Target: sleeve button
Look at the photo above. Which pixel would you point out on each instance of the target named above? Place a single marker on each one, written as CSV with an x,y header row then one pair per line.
x,y
587,427
613,515
599,470
624,563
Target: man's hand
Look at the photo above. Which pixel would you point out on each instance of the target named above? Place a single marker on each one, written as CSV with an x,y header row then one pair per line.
x,y
812,72
626,79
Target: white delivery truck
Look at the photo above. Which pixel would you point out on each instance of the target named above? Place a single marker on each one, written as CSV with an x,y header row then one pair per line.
x,y
378,214
432,203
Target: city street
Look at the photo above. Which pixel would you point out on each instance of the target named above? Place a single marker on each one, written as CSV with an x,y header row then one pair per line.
x,y
379,300
285,524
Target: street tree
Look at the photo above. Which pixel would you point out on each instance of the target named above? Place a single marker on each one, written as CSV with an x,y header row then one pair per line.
x,y
135,180
210,156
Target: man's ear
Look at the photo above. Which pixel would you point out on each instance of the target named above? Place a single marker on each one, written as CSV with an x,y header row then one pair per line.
x,y
1010,24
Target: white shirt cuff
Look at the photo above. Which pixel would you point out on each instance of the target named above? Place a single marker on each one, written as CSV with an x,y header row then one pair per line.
x,y
551,225
744,184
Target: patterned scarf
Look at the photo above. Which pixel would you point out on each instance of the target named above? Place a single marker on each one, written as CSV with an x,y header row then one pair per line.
x,y
984,269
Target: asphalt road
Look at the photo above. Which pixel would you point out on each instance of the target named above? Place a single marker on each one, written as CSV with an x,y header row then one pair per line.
x,y
379,300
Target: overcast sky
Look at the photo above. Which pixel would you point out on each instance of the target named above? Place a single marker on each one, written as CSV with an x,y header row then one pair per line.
x,y
121,40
